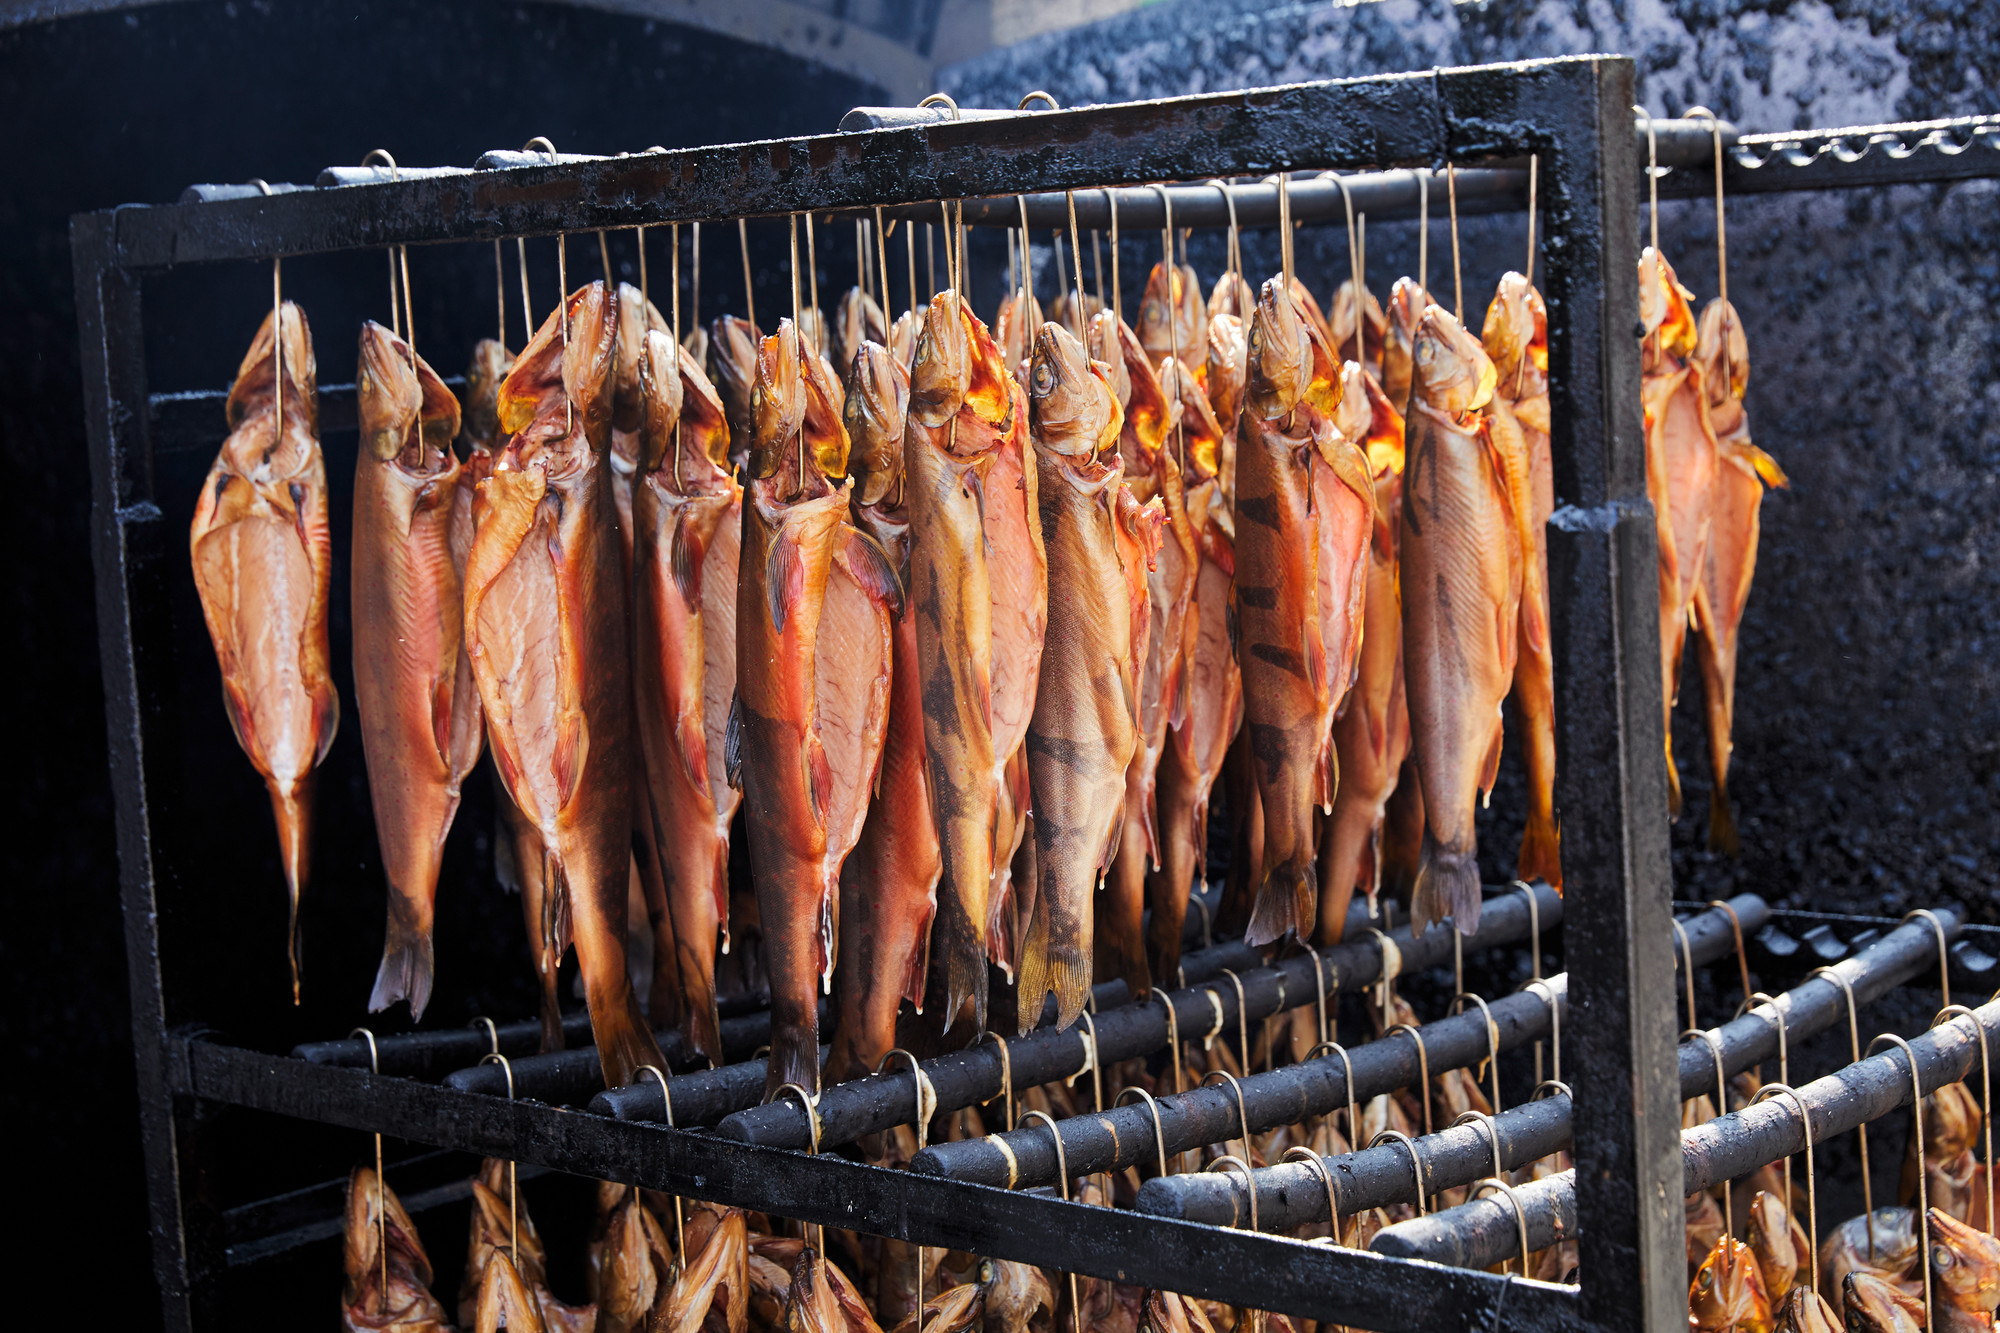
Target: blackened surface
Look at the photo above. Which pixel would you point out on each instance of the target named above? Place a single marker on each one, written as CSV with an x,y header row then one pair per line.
x,y
117,108
1866,772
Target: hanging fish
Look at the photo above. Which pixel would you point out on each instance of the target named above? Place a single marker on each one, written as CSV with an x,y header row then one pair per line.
x,y
889,888
1965,1274
503,1232
1232,296
815,603
732,369
1407,302
1014,328
545,628
1304,514
421,736
1874,1305
263,560
1681,461
1742,472
1173,319
857,319
1805,1311
375,1218
1341,323
960,409
687,529
1198,740
1516,337
1728,1292
1085,725
1228,363
1461,572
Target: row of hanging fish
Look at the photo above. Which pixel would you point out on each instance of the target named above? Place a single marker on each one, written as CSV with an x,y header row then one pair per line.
x,y
969,621
1706,481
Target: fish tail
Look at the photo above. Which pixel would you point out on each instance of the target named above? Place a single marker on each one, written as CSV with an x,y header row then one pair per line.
x,y
794,1058
1722,836
1286,902
408,963
1541,850
624,1042
964,960
1673,774
293,809
1447,886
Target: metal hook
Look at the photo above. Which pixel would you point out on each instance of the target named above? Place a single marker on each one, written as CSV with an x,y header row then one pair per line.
x,y
667,1096
1721,235
1392,967
1173,1036
1088,1035
1423,1066
1956,1011
1652,175
1159,1135
944,100
1215,1004
1944,950
1492,1060
1714,1041
1416,1161
1242,1116
1062,1186
926,1093
1227,1163
1834,975
513,1176
1022,105
381,1208
1318,1163
1319,981
1736,925
1548,994
1812,1191
1687,969
1006,1079
492,1032
1923,1183
1480,1190
1492,1134
1762,1001
1242,1018
1347,1070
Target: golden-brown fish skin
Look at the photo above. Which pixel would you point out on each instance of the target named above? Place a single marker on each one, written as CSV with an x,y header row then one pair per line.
x,y
1876,1305
1407,302
1461,581
1515,336
406,1303
712,1290
732,368
815,605
1681,462
1779,1245
856,320
546,632
408,618
687,526
1965,1274
1083,732
1728,1292
263,558
889,889
960,395
1173,318
1804,1311
1341,323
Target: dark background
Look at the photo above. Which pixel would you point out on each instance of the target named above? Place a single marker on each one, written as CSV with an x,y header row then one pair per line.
x,y
1867,767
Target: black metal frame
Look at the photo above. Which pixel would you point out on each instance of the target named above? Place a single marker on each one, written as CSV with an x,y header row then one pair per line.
x,y
1574,113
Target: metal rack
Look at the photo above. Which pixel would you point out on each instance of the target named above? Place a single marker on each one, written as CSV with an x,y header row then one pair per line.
x,y
1574,113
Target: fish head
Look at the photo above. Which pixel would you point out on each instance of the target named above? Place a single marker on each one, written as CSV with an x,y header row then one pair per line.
x,y
589,357
559,388
1723,348
1876,1305
1951,1123
659,373
386,393
1072,408
824,426
373,1214
635,315
813,330
1341,322
1806,1311
254,387
1102,343
1965,1262
1232,296
941,370
1407,302
1149,414
1353,414
1280,354
1198,434
1173,320
1228,357
777,399
1772,1240
903,337
505,1300
1517,325
481,422
1014,328
1015,1294
878,403
1728,1291
694,345
857,319
1451,372
1664,312
732,368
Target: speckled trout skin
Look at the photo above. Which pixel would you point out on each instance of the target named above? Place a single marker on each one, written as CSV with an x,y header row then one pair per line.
x,y
420,734
687,512
545,627
815,604
1461,580
263,560
888,893
1681,461
960,405
1516,338
1085,726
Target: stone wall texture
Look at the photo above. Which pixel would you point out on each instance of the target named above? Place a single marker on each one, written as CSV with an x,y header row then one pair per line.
x,y
1866,772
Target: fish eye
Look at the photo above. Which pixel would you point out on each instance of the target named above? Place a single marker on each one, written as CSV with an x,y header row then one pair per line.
x,y
1044,377
1940,1257
1706,1278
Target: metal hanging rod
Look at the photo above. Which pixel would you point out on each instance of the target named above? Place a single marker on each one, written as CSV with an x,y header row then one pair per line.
x,y
1292,1194
1482,1233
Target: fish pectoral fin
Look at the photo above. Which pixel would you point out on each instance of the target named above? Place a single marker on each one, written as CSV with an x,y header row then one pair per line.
x,y
819,779
869,565
1489,767
732,743
441,691
691,739
684,560
784,580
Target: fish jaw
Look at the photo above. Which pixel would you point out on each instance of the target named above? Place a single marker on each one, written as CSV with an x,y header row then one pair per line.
x,y
1461,580
261,548
1965,1271
1728,1292
1876,1305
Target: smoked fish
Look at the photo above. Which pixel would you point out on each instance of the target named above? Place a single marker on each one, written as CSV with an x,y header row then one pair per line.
x,y
1742,472
1341,322
888,893
1516,338
961,406
1173,318
1407,302
815,603
545,630
1461,580
1231,295
263,562
1681,462
687,512
857,319
375,1216
1014,328
420,730
1304,514
732,369
1084,731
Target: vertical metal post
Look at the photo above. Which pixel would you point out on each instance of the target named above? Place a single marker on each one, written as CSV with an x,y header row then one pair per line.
x,y
129,544
1611,780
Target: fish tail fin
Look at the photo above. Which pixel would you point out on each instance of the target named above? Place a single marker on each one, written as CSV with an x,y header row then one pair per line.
x,y
964,960
293,809
408,964
1722,836
1447,886
794,1058
624,1042
1286,901
1541,850
1673,774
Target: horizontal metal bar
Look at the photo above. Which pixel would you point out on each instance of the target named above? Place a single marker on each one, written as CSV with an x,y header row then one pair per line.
x,y
1482,1233
1291,1195
1241,1268
431,1055
1909,153
869,1105
1379,194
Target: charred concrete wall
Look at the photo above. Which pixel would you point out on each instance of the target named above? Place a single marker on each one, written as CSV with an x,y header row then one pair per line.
x,y
1866,771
